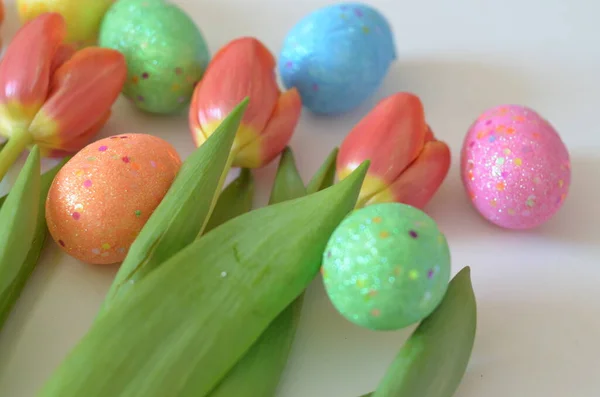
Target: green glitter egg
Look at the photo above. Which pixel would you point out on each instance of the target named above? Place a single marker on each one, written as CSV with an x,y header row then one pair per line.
x,y
386,266
165,52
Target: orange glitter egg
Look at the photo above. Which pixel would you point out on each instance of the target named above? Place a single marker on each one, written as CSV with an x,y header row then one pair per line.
x,y
101,199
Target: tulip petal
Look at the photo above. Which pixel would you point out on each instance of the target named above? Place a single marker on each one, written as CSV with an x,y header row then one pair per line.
x,y
76,144
277,134
62,55
83,89
198,135
429,135
417,185
25,69
391,136
243,68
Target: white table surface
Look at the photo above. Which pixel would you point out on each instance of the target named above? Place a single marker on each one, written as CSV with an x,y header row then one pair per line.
x,y
538,292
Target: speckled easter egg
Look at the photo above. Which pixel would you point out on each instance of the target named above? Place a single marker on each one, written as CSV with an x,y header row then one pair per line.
x,y
515,167
165,52
101,199
337,57
386,266
82,17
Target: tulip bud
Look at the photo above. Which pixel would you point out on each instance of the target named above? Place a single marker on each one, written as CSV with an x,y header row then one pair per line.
x,y
25,70
52,96
407,163
83,90
245,68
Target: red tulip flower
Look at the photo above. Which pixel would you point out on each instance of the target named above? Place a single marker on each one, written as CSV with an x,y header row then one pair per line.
x,y
245,68
52,96
408,164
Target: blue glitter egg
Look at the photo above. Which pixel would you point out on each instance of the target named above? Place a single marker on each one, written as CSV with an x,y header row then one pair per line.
x,y
337,57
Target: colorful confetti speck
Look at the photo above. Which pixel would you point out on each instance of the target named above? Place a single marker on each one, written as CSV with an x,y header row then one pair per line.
x,y
413,274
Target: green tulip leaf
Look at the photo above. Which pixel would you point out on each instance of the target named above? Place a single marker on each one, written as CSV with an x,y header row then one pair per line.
x,y
288,183
260,369
189,321
18,219
236,199
434,360
184,211
9,297
325,175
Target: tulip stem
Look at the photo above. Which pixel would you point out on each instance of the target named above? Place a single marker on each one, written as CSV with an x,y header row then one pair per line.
x,y
217,192
13,148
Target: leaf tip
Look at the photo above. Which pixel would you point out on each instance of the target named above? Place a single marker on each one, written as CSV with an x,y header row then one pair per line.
x,y
465,272
243,104
355,180
287,154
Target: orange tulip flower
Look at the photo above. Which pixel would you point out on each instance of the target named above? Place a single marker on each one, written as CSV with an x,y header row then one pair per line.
x,y
245,68
408,164
52,96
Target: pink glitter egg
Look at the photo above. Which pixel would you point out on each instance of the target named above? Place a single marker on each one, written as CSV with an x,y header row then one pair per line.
x,y
515,167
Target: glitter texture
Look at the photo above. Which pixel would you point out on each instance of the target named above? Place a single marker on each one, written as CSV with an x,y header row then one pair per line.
x,y
96,222
386,266
521,178
165,52
337,57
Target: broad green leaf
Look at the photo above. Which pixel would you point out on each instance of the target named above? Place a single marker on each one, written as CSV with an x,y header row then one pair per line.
x,y
325,175
9,297
433,361
12,149
18,217
236,199
288,183
190,321
260,369
184,211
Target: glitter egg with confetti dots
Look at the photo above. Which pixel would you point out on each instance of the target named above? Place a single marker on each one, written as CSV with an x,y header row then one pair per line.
x,y
515,167
102,197
386,266
165,51
337,57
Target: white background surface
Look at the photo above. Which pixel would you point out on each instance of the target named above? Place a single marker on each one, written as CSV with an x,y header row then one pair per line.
x,y
538,292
